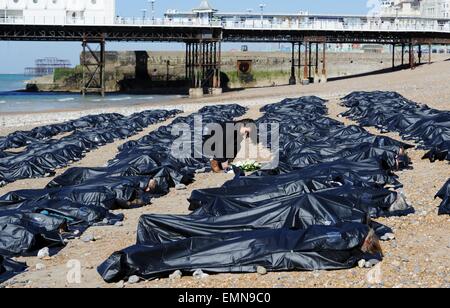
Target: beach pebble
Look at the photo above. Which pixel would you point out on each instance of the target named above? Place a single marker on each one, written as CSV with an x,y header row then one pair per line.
x,y
106,221
87,238
176,275
120,284
40,267
133,279
396,263
261,270
76,232
198,274
388,237
371,263
43,253
180,187
199,171
362,263
417,270
119,224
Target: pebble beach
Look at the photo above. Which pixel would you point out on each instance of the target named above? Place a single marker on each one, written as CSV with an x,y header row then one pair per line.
x,y
418,256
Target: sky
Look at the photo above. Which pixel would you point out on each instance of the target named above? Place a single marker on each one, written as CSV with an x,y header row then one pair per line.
x,y
15,56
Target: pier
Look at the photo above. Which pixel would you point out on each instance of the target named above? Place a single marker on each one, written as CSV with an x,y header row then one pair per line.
x,y
204,31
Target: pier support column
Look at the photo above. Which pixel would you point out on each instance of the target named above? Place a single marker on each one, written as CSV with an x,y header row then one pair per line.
x,y
305,80
219,66
403,55
420,54
412,59
324,77
203,67
93,66
393,56
186,62
316,68
430,51
300,61
310,62
292,79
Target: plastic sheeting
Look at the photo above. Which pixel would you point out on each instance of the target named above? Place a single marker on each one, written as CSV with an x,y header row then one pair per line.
x,y
318,247
444,194
41,158
308,137
10,268
311,213
326,207
389,111
82,197
23,138
254,192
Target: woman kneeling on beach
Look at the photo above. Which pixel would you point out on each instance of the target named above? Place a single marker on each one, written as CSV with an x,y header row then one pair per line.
x,y
238,145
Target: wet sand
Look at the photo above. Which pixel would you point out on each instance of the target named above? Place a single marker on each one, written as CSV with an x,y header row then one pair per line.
x,y
419,257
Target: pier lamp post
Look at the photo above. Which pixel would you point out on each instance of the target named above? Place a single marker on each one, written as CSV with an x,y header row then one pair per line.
x,y
262,6
249,17
144,14
152,3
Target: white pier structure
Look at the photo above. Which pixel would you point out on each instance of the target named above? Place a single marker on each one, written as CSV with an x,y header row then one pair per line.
x,y
58,12
203,29
103,12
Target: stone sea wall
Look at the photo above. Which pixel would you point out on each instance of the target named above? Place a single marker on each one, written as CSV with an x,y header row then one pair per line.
x,y
140,70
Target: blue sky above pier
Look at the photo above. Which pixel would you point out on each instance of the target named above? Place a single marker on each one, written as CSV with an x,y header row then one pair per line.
x,y
15,56
125,7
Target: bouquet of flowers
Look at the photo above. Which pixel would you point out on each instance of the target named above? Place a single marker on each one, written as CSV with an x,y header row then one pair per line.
x,y
248,165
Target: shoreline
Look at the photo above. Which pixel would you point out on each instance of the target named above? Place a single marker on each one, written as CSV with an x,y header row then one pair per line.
x,y
409,83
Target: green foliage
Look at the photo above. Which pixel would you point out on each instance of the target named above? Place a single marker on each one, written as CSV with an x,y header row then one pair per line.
x,y
61,74
258,75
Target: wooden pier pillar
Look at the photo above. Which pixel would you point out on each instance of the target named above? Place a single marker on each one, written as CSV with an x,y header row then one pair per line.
x,y
93,66
203,67
403,54
420,54
393,56
324,77
412,59
300,61
186,66
430,51
305,67
219,66
310,62
292,79
316,68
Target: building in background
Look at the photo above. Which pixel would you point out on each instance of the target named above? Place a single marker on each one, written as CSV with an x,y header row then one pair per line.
x,y
59,11
204,12
435,8
416,8
46,66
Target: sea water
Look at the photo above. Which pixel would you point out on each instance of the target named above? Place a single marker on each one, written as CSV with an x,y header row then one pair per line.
x,y
12,100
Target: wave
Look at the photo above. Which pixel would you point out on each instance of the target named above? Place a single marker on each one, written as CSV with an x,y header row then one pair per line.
x,y
119,99
66,99
146,98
